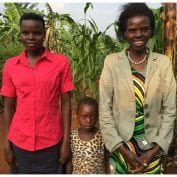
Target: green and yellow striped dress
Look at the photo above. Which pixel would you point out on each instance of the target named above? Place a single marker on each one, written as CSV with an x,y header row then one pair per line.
x,y
117,162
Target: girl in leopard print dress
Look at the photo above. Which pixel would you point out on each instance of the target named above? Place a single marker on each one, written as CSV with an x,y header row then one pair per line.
x,y
87,145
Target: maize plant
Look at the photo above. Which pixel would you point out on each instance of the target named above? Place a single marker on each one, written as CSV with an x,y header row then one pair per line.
x,y
170,27
84,45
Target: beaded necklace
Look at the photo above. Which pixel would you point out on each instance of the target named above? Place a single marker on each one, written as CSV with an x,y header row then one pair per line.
x,y
134,62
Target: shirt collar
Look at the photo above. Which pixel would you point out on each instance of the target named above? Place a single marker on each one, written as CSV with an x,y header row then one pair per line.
x,y
23,59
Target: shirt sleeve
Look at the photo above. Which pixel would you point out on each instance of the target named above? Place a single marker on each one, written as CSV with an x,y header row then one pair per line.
x,y
7,88
66,78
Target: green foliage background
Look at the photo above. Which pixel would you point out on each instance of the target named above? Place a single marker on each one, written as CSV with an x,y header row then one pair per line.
x,y
84,45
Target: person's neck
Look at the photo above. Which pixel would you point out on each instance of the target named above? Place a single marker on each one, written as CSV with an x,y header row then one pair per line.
x,y
137,54
92,130
87,135
34,54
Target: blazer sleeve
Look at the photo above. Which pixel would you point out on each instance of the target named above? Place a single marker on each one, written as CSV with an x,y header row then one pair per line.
x,y
168,113
106,92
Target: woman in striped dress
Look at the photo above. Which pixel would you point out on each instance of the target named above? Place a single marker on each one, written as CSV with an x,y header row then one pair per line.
x,y
116,159
137,98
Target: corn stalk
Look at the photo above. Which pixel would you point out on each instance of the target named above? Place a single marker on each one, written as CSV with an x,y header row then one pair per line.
x,y
84,45
170,32
170,50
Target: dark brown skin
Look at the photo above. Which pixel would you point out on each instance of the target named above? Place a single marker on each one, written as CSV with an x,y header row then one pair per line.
x,y
66,116
87,117
65,150
137,33
32,36
9,109
139,164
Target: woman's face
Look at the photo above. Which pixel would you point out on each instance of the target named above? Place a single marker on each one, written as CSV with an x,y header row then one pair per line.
x,y
138,32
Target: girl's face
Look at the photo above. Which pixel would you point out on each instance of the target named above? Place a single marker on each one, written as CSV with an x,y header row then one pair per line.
x,y
32,34
87,116
138,32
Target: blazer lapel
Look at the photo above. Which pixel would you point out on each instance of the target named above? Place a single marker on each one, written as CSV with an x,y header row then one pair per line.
x,y
151,68
125,69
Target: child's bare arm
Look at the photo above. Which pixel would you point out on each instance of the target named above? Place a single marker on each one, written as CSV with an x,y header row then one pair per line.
x,y
107,169
69,166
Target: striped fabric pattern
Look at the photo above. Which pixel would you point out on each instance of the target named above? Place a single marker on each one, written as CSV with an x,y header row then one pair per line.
x,y
139,81
118,165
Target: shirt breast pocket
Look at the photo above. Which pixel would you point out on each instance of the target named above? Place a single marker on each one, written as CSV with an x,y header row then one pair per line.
x,y
23,93
53,91
53,83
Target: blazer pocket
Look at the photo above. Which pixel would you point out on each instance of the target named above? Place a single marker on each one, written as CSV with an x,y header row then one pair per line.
x,y
159,120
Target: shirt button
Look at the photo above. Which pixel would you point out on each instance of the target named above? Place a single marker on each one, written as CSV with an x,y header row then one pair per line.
x,y
146,106
147,115
147,126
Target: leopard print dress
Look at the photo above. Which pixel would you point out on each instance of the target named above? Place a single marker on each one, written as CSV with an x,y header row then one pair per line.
x,y
87,156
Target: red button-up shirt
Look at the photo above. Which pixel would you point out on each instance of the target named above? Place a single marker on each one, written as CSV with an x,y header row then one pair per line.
x,y
37,122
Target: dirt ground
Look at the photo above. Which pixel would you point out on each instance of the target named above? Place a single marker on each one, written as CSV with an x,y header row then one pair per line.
x,y
4,168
